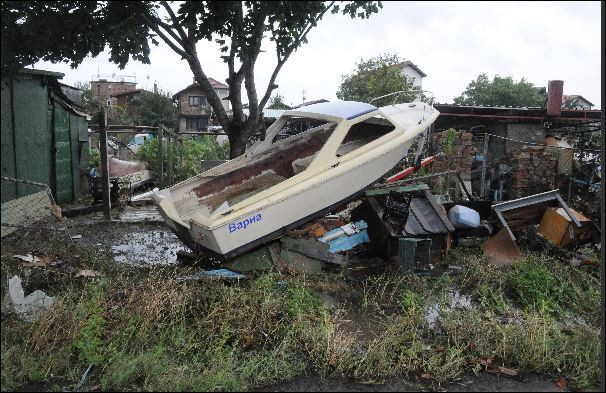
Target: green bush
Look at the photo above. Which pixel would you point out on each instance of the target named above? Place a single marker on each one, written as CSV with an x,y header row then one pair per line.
x,y
186,163
94,157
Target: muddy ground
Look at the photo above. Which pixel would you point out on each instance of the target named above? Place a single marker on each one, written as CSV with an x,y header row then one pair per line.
x,y
469,383
136,238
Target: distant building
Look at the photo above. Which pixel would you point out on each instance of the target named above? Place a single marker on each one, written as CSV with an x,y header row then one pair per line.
x,y
575,101
413,73
123,100
106,89
194,110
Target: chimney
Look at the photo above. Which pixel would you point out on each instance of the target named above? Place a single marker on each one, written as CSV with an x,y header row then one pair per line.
x,y
155,87
555,89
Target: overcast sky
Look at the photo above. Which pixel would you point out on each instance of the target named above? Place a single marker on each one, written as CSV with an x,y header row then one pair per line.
x,y
451,42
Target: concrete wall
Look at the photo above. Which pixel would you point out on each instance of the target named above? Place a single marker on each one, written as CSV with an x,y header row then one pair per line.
x,y
523,132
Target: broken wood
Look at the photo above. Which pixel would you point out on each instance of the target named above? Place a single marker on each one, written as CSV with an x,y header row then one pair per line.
x,y
314,249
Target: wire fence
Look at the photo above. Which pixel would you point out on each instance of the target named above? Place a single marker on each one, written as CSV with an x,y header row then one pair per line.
x,y
36,206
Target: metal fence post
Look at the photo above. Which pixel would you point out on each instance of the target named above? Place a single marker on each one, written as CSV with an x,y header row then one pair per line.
x,y
170,159
484,158
104,164
160,157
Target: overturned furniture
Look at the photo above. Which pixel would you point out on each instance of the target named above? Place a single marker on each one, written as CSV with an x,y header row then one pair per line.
x,y
279,185
547,209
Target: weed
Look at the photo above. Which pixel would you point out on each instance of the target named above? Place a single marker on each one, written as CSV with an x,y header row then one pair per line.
x,y
534,286
89,337
491,298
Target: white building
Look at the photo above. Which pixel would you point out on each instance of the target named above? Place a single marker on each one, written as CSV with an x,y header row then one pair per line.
x,y
413,73
575,101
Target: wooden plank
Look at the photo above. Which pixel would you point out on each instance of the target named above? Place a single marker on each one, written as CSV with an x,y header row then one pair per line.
x,y
169,172
483,176
160,157
314,249
439,211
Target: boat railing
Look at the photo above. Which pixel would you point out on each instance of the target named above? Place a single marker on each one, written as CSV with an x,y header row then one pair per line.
x,y
404,96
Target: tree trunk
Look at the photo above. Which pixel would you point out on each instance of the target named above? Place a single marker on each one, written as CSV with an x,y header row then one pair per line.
x,y
238,135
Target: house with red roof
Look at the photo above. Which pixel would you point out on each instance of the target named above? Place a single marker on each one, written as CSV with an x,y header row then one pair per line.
x,y
194,109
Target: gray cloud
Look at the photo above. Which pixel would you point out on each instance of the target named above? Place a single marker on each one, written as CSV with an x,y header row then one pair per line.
x,y
451,42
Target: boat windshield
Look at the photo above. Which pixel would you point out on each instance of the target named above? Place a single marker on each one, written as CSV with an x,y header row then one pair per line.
x,y
294,125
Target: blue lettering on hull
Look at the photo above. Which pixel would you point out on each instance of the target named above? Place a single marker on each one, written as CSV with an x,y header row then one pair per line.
x,y
244,223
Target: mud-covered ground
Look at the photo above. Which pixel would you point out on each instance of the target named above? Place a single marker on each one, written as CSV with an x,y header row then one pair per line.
x,y
136,239
483,382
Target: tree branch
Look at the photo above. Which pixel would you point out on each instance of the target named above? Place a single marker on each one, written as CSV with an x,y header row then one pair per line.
x,y
152,25
252,52
282,59
168,28
175,20
210,93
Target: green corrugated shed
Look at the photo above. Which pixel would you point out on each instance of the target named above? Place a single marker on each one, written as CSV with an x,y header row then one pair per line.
x,y
43,136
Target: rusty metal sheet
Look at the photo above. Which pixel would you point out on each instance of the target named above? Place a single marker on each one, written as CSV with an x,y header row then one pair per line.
x,y
502,249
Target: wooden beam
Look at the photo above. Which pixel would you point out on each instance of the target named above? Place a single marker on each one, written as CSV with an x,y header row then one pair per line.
x,y
160,157
104,165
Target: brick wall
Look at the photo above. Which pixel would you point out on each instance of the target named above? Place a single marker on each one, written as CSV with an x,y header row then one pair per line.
x,y
461,156
105,89
186,109
533,170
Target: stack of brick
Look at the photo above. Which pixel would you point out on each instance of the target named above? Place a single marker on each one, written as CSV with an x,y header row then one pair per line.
x,y
458,156
533,171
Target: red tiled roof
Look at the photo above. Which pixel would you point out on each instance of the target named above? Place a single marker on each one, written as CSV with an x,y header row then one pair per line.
x,y
213,82
217,85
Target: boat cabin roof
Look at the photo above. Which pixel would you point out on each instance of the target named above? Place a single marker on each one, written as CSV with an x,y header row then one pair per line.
x,y
336,110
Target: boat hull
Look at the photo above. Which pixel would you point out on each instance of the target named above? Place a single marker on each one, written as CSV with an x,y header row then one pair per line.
x,y
216,213
275,218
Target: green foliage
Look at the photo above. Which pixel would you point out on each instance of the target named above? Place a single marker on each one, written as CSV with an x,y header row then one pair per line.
x,y
187,164
128,28
502,91
534,286
277,102
89,337
152,109
448,144
375,77
94,157
491,298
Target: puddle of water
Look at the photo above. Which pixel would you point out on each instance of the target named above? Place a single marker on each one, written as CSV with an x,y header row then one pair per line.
x,y
456,300
147,213
151,247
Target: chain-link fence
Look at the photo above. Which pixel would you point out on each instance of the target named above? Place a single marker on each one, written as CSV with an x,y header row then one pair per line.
x,y
36,206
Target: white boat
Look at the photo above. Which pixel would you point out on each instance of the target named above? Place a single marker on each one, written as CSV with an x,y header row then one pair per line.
x,y
276,186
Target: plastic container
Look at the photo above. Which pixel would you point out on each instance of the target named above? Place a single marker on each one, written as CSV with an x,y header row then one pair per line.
x,y
463,217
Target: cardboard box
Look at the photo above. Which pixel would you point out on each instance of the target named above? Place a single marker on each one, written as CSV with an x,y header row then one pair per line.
x,y
558,228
